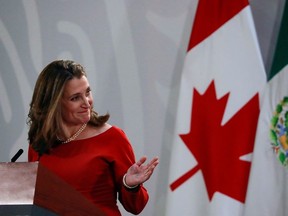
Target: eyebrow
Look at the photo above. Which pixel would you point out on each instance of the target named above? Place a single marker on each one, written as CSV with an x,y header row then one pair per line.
x,y
79,93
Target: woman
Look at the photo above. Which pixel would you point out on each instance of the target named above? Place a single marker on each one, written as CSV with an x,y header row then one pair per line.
x,y
68,137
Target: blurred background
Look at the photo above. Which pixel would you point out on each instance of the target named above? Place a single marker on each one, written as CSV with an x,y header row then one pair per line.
x,y
133,52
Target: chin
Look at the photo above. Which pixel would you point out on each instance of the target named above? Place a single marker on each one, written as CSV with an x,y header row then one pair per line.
x,y
87,119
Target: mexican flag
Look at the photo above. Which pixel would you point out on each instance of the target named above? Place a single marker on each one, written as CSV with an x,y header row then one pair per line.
x,y
268,185
217,112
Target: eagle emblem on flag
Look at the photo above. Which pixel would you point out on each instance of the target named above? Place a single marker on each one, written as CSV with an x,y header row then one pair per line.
x,y
279,131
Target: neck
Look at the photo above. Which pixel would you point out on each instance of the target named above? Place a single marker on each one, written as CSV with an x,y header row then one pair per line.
x,y
75,135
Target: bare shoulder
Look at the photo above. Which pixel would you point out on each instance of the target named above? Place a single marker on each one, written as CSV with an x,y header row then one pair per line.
x,y
98,130
105,127
94,131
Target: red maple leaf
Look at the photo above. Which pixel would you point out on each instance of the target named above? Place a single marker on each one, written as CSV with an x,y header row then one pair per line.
x,y
218,148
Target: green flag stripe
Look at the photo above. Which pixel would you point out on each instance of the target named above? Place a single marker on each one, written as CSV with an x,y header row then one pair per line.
x,y
280,58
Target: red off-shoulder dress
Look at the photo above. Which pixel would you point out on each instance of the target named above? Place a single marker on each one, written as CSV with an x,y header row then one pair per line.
x,y
95,167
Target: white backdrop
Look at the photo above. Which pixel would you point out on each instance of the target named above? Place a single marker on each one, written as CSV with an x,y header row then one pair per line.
x,y
133,52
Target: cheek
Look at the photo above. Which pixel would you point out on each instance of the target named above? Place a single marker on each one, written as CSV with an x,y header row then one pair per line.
x,y
67,111
90,100
65,114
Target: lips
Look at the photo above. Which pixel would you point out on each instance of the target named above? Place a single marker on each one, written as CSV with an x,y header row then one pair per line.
x,y
84,111
84,115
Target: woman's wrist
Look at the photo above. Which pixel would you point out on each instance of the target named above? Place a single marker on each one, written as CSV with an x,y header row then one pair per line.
x,y
126,185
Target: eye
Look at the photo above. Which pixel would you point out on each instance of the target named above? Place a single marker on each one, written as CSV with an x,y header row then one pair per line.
x,y
88,92
75,98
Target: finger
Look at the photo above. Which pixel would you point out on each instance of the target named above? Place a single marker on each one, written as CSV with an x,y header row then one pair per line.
x,y
151,166
141,161
154,162
148,174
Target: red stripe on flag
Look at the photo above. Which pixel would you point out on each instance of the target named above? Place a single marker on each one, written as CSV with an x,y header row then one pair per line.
x,y
184,178
211,14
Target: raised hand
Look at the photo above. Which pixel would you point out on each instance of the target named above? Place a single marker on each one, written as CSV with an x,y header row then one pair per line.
x,y
138,173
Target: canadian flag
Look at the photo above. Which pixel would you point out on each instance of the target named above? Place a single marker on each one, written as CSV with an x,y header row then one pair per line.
x,y
217,112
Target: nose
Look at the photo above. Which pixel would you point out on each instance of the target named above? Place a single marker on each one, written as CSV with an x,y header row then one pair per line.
x,y
86,102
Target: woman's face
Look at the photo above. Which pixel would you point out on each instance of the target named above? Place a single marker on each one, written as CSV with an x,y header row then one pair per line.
x,y
76,102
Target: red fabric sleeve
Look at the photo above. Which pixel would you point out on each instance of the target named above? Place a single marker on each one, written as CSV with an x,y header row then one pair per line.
x,y
135,200
32,155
